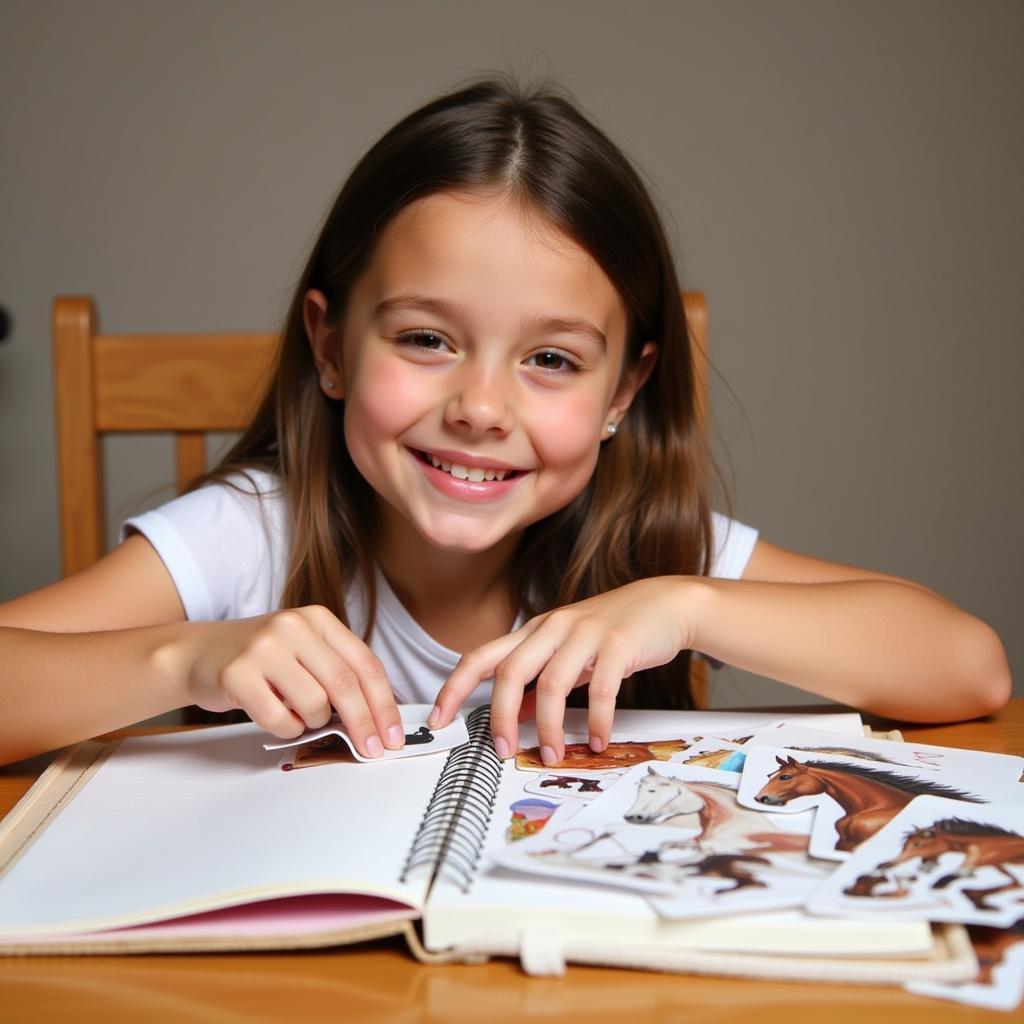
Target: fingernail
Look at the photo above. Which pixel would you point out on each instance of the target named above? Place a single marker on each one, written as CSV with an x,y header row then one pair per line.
x,y
434,717
501,746
597,744
374,747
548,756
395,735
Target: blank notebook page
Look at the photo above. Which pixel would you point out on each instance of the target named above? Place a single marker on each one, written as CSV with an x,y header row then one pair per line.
x,y
190,821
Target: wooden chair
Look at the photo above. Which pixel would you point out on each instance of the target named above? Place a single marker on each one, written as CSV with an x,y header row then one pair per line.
x,y
184,384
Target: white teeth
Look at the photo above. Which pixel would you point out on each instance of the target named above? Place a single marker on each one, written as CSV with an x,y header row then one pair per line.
x,y
474,474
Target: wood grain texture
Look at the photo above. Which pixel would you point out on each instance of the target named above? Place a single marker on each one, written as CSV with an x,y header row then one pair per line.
x,y
179,382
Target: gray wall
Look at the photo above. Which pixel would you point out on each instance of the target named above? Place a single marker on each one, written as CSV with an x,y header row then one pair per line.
x,y
843,181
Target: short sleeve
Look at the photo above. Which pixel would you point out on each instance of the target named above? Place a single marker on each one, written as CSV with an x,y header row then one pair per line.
x,y
733,545
224,545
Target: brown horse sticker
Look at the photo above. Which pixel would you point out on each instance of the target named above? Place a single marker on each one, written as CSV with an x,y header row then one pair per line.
x,y
869,796
938,860
981,845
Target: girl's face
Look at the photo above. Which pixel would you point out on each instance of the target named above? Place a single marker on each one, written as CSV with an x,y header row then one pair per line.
x,y
480,361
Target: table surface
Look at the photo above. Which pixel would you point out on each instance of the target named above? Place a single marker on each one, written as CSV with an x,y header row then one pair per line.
x,y
381,981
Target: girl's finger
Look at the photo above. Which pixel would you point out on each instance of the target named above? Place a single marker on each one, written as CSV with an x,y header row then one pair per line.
x,y
250,690
309,636
554,683
300,691
605,682
358,687
511,677
346,695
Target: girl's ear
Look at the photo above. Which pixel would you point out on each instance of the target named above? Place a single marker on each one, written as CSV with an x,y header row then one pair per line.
x,y
633,379
325,342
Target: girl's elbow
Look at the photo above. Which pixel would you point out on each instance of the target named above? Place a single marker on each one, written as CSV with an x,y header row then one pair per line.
x,y
988,686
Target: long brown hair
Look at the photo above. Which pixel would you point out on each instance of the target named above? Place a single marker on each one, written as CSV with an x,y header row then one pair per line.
x,y
645,511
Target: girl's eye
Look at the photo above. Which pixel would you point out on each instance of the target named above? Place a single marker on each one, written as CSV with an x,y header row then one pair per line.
x,y
429,341
556,362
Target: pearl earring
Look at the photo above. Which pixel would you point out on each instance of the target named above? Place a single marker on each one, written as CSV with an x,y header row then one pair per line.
x,y
329,384
612,428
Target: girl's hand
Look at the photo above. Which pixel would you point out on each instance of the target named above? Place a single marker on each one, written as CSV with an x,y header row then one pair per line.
x,y
287,670
599,641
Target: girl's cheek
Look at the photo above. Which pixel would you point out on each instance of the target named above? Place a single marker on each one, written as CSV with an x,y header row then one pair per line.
x,y
385,397
567,434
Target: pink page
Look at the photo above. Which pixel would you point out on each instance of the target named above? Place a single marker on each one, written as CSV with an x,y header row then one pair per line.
x,y
289,916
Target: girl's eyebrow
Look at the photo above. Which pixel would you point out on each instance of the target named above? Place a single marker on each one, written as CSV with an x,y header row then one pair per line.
x,y
442,307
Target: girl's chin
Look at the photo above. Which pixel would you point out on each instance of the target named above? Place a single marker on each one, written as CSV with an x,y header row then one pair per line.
x,y
462,545
466,539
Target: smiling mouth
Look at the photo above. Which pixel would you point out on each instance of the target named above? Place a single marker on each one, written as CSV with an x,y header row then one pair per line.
x,y
473,474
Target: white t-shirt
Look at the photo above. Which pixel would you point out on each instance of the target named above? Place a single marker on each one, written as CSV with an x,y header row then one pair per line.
x,y
226,550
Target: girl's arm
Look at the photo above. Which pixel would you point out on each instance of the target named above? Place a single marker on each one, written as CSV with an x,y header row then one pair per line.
x,y
77,657
110,646
876,642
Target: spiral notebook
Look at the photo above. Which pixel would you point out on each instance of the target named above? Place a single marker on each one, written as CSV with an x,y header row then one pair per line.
x,y
197,841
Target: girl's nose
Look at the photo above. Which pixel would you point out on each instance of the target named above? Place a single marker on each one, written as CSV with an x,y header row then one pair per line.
x,y
480,404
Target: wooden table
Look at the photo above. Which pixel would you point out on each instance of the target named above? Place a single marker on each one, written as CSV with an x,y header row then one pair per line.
x,y
382,983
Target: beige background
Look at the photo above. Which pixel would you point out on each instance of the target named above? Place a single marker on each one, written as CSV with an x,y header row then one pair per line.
x,y
844,180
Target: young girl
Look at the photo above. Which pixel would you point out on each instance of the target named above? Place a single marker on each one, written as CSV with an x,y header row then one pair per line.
x,y
481,438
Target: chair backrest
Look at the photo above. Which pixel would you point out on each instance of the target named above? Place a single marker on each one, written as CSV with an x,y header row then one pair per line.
x,y
184,384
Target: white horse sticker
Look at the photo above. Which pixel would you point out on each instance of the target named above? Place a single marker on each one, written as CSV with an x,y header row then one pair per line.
x,y
664,801
712,810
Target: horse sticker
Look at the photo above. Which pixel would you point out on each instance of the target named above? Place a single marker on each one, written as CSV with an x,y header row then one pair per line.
x,y
854,799
941,859
618,754
331,743
581,785
981,846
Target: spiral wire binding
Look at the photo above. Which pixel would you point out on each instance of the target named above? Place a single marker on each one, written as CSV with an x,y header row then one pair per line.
x,y
453,828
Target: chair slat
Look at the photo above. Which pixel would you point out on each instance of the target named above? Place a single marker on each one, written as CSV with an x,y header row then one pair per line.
x,y
79,470
190,457
696,310
176,382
